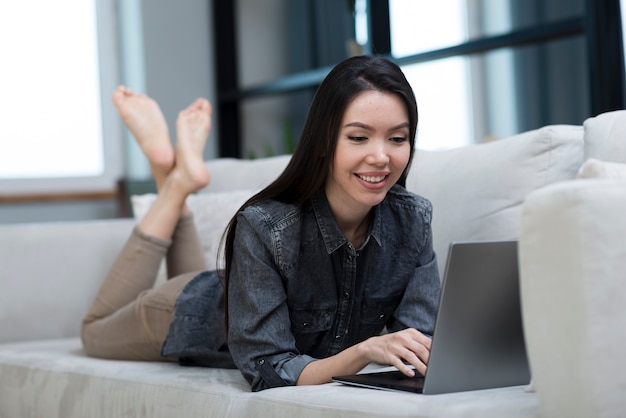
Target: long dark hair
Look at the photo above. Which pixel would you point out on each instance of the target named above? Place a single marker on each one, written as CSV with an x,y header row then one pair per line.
x,y
309,166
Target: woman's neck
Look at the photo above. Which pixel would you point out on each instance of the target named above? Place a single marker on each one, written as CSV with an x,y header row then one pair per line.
x,y
354,229
352,219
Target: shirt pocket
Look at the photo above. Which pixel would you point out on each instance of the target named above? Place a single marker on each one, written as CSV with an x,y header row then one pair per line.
x,y
309,326
375,314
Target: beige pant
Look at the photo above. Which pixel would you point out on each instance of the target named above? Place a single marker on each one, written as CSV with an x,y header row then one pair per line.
x,y
130,318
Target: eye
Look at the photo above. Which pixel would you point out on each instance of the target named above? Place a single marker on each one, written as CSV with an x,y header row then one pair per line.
x,y
398,139
357,138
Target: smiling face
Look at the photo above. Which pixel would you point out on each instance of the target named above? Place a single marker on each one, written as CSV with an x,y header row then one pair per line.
x,y
372,152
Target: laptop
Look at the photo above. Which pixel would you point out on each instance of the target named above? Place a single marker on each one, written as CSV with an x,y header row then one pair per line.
x,y
478,342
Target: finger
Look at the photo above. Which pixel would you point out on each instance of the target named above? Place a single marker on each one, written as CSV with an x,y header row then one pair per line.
x,y
422,369
403,367
422,352
419,365
413,347
418,349
420,338
416,361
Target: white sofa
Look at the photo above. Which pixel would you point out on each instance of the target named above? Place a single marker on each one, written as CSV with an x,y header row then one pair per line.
x,y
572,253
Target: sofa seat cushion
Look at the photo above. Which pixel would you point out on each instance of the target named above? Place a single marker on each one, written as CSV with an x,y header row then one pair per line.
x,y
54,378
477,191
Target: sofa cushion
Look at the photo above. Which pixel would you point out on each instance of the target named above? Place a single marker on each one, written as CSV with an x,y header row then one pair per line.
x,y
477,191
55,379
239,174
50,273
605,137
596,169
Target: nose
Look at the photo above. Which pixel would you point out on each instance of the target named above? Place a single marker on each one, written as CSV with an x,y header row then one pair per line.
x,y
378,154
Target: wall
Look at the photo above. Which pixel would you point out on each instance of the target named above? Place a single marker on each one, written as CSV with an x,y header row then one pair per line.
x,y
178,46
262,57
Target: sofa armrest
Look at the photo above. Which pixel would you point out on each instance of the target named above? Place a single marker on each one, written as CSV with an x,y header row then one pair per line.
x,y
572,269
50,273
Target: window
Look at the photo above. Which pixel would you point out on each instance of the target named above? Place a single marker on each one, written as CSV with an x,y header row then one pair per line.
x,y
474,96
435,82
58,58
481,69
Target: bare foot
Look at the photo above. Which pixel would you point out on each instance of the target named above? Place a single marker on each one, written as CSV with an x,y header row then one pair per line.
x,y
146,122
192,126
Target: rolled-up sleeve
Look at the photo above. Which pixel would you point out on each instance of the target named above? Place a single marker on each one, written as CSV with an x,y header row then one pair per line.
x,y
260,338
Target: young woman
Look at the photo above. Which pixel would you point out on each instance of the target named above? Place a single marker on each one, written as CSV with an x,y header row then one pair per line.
x,y
317,264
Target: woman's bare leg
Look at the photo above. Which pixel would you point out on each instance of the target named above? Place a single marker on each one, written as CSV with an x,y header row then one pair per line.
x,y
143,117
188,175
186,252
146,122
129,319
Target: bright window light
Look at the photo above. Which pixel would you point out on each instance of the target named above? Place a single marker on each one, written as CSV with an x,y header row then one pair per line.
x,y
418,26
443,103
360,21
441,87
50,102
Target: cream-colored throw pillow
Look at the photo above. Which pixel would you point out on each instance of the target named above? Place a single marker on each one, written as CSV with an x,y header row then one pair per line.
x,y
212,212
477,191
605,137
596,169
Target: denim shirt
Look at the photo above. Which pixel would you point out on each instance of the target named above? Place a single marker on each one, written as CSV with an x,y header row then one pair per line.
x,y
300,291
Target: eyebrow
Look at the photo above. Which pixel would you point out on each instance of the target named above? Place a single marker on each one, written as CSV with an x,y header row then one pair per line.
x,y
366,126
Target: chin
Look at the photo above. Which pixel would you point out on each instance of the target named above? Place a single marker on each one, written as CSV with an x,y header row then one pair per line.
x,y
374,200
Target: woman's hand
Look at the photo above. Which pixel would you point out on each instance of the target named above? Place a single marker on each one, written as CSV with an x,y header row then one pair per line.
x,y
408,345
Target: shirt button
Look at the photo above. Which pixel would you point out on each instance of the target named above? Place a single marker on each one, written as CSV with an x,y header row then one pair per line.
x,y
346,295
337,337
261,361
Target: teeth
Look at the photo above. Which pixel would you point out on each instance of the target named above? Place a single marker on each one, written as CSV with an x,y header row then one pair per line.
x,y
372,179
